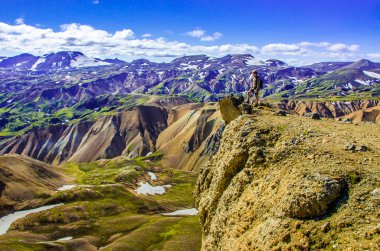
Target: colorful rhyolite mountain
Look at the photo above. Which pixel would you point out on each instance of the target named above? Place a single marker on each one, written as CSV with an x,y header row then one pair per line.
x,y
200,77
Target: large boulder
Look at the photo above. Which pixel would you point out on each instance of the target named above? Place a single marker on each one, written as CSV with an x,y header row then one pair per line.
x,y
228,110
310,196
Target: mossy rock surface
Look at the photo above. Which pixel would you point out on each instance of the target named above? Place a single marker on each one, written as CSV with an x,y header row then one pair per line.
x,y
228,111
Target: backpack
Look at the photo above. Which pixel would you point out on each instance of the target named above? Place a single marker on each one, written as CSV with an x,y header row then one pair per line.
x,y
260,82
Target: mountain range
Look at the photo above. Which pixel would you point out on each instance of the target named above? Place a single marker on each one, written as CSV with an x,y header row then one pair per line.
x,y
69,87
201,77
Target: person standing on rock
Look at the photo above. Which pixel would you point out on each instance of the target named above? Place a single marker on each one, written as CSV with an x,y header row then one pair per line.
x,y
255,86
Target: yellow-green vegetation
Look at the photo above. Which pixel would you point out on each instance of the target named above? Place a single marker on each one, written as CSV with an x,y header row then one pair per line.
x,y
104,210
65,113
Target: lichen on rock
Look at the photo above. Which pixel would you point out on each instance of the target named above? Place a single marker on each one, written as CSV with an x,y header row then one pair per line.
x,y
273,185
310,196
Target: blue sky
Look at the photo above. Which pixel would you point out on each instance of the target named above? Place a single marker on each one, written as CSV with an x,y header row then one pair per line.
x,y
298,31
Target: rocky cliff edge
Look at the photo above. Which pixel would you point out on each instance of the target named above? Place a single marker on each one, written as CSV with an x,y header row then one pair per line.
x,y
291,183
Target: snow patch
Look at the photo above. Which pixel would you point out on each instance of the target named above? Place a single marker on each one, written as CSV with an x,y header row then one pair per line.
x,y
19,64
362,82
187,66
296,80
372,74
206,66
190,211
39,61
145,188
6,221
152,176
254,61
160,73
83,61
66,187
65,238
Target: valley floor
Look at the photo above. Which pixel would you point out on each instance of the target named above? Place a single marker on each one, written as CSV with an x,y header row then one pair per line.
x,y
105,211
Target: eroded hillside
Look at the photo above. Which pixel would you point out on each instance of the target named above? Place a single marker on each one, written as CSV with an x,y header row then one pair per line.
x,y
291,183
328,109
183,133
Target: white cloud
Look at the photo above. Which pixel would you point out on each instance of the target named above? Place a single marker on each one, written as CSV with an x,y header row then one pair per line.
x,y
147,35
100,43
20,38
124,34
340,47
95,1
313,51
20,21
196,33
212,37
310,44
201,34
374,56
282,48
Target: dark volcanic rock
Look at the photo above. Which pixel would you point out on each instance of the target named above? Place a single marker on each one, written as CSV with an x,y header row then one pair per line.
x,y
213,143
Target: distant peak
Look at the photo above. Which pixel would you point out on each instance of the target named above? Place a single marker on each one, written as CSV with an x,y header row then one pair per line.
x,y
190,57
140,61
275,62
364,64
71,53
242,55
26,54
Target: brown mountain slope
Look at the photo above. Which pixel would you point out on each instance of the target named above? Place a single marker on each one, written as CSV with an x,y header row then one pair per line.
x,y
23,179
367,115
291,183
131,133
184,142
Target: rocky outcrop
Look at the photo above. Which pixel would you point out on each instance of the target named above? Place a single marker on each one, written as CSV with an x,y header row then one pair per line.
x,y
286,183
228,110
202,131
212,143
309,196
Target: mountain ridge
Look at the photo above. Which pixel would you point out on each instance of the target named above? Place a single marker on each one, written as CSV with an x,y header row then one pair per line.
x,y
7,61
